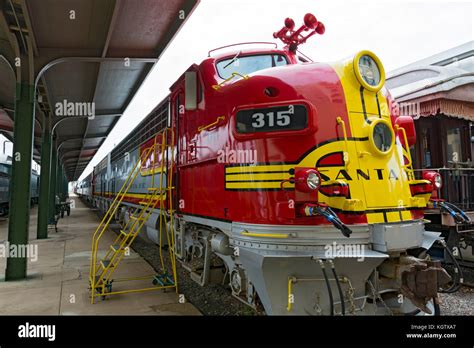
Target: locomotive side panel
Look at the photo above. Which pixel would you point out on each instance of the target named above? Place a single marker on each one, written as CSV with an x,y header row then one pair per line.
x,y
201,133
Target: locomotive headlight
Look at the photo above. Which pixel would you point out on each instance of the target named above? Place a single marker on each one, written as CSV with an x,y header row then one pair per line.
x,y
369,71
313,181
307,179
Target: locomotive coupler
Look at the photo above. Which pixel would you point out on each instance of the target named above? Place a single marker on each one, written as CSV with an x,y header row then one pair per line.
x,y
421,281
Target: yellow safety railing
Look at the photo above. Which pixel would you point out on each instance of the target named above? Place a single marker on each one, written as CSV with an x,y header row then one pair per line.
x,y
340,121
234,74
112,211
101,273
171,213
408,166
210,125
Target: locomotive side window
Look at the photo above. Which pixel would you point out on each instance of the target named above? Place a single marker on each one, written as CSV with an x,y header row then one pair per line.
x,y
191,90
273,119
177,106
200,91
249,64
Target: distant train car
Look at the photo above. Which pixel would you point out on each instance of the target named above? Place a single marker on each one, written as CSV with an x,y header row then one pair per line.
x,y
435,92
4,187
84,189
5,174
34,187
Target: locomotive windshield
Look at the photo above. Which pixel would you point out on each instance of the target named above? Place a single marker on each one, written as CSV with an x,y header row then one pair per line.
x,y
249,64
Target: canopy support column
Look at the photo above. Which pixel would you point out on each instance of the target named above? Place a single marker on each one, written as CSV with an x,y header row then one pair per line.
x,y
19,217
45,178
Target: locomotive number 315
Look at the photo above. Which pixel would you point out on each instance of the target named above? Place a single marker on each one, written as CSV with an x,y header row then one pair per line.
x,y
282,119
277,118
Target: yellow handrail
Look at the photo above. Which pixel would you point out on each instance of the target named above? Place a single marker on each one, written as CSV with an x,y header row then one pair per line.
x,y
144,215
110,212
108,217
162,218
154,162
136,218
139,217
340,121
106,220
410,162
234,74
107,270
171,212
215,123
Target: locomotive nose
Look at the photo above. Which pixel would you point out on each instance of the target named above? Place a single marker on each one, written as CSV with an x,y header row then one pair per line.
x,y
370,155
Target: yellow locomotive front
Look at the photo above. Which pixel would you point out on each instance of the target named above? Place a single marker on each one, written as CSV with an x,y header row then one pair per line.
x,y
377,162
374,181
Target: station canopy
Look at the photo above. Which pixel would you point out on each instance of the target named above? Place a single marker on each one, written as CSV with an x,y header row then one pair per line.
x,y
439,84
87,53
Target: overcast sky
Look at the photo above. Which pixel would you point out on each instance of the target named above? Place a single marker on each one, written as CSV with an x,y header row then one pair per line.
x,y
399,32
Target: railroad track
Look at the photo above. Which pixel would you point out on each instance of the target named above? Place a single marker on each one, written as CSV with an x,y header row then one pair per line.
x,y
466,264
470,266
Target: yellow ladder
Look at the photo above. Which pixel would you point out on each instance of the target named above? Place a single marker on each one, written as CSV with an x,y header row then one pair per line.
x,y
101,271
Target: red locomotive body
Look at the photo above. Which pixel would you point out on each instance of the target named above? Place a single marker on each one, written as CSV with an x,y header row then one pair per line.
x,y
206,154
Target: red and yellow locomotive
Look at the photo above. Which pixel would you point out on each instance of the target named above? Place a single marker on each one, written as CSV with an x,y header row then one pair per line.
x,y
292,182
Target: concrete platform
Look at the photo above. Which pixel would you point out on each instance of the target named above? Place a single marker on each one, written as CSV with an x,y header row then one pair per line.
x,y
57,281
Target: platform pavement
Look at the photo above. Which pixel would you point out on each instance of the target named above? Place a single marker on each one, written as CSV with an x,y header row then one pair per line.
x,y
57,281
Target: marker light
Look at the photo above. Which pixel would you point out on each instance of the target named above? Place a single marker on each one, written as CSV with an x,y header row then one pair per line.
x,y
438,182
434,178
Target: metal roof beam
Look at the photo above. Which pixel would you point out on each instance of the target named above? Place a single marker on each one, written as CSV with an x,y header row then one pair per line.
x,y
84,161
58,120
96,136
75,157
